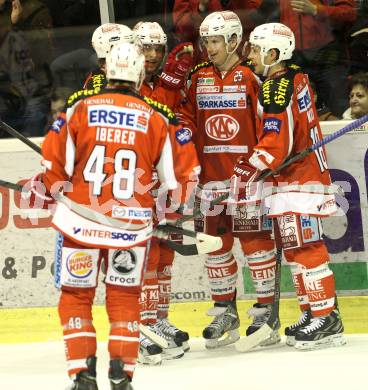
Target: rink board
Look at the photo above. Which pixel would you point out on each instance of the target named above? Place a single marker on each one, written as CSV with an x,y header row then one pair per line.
x,y
27,244
42,324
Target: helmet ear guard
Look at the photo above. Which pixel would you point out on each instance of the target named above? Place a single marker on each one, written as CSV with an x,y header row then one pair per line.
x,y
125,62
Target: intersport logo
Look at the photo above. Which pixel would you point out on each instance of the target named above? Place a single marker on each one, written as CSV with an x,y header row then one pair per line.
x,y
222,127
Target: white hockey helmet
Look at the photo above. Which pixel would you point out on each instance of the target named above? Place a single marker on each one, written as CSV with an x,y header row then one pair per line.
x,y
150,33
125,62
224,23
108,34
273,36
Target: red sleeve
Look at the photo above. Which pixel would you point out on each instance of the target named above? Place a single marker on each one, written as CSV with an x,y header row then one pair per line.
x,y
187,112
276,126
171,97
186,166
53,152
341,11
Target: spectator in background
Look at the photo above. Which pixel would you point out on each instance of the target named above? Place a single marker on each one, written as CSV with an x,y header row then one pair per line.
x,y
35,21
358,97
358,39
189,14
24,103
320,29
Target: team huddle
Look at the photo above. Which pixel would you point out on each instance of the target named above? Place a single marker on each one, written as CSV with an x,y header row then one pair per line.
x,y
152,137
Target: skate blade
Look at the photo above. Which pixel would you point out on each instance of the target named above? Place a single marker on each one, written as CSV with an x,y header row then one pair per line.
x,y
274,338
153,336
186,346
172,353
248,342
229,337
336,340
150,360
290,341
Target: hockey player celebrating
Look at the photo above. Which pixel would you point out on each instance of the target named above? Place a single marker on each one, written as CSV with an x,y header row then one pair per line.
x,y
103,39
164,81
100,146
301,194
220,110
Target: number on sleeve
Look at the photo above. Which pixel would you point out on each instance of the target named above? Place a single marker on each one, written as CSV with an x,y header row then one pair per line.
x,y
321,158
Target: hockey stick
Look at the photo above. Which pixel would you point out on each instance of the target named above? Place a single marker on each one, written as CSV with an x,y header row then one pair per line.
x,y
204,242
10,130
351,126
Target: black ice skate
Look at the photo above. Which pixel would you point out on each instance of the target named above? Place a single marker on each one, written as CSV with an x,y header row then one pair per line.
x,y
149,352
86,380
226,322
321,332
119,379
261,313
172,331
291,330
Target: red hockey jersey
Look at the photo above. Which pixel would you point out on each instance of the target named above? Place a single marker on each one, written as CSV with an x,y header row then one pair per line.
x,y
106,145
220,110
288,124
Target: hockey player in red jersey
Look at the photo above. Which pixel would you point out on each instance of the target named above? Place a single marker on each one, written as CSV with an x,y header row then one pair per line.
x,y
220,110
105,146
164,81
103,38
301,194
164,78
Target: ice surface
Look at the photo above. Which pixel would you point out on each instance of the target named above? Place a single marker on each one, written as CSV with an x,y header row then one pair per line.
x,y
41,366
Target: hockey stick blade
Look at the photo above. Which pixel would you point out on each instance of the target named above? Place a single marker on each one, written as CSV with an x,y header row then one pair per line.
x,y
205,244
153,336
246,343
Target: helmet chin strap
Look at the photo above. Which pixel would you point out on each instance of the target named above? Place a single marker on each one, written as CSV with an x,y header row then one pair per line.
x,y
229,54
140,81
267,67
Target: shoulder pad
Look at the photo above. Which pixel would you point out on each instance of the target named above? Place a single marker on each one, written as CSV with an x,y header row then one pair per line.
x,y
276,93
163,109
83,93
204,64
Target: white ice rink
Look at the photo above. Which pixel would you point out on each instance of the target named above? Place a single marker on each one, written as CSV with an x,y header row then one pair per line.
x,y
41,366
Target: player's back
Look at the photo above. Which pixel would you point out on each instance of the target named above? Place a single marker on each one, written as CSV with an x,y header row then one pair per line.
x,y
114,138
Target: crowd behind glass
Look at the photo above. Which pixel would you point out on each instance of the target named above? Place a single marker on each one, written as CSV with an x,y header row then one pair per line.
x,y
45,48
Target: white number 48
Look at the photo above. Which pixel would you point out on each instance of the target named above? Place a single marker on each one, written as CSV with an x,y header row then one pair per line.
x,y
124,168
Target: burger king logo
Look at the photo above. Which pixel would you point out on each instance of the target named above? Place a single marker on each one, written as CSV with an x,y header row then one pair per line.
x,y
79,264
